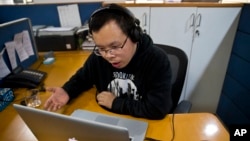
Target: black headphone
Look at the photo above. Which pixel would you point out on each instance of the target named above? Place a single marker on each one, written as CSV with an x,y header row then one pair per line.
x,y
135,33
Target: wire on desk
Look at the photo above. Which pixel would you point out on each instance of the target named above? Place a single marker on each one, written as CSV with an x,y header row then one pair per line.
x,y
173,130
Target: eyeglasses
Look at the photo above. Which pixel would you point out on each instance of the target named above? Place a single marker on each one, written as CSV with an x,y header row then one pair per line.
x,y
113,50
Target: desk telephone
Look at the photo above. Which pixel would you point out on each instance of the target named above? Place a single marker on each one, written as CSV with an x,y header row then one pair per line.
x,y
24,78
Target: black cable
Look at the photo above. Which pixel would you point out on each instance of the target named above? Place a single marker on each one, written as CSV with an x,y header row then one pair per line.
x,y
1,100
173,130
39,65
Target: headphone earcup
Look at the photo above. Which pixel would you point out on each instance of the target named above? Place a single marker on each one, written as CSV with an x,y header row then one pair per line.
x,y
136,32
134,35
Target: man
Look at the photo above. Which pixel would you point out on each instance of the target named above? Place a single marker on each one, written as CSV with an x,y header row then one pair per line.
x,y
130,74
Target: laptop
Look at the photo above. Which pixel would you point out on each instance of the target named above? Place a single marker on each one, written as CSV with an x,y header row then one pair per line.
x,y
82,125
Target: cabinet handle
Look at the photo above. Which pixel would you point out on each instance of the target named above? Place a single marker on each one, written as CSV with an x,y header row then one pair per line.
x,y
192,19
145,19
197,32
198,19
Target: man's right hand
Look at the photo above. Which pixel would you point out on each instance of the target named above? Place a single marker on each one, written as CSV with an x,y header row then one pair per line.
x,y
59,97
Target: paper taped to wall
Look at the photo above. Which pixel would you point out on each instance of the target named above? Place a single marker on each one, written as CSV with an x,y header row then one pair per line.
x,y
69,15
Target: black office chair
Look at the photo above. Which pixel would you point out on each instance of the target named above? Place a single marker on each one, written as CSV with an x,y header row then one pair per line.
x,y
178,61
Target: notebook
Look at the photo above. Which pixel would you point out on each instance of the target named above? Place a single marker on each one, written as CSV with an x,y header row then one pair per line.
x,y
82,125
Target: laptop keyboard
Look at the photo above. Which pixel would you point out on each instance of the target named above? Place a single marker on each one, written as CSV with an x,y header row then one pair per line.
x,y
108,120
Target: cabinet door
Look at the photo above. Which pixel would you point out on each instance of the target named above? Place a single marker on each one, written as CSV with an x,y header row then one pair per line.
x,y
213,40
173,26
142,13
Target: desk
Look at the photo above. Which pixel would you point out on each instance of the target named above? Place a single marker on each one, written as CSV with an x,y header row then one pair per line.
x,y
187,127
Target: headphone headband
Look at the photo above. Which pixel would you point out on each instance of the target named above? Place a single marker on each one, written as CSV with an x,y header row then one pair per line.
x,y
113,7
135,32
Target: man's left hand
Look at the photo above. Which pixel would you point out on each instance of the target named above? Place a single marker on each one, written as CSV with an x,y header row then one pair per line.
x,y
105,99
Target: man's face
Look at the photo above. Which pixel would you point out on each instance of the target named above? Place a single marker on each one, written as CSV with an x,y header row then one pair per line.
x,y
113,45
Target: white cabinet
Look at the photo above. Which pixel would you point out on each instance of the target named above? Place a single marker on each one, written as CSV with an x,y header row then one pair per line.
x,y
213,40
173,26
142,13
206,35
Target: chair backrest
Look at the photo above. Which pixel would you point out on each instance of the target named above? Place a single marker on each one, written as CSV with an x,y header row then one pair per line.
x,y
178,61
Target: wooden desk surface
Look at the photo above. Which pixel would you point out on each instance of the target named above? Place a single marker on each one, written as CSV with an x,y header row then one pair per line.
x,y
187,127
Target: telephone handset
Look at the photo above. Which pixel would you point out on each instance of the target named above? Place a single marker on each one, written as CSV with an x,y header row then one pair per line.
x,y
24,78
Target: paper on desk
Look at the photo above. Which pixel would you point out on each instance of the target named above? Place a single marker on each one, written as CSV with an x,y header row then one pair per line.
x,y
10,47
27,43
21,52
3,67
22,45
69,15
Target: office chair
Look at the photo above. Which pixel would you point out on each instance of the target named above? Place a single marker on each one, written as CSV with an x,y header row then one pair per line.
x,y
178,61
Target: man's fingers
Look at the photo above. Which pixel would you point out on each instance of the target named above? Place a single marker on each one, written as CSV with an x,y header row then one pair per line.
x,y
51,89
47,104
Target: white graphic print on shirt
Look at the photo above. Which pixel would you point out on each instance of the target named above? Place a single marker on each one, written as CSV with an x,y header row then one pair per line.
x,y
123,86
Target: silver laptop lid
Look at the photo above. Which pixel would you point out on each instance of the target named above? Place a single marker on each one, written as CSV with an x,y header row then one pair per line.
x,y
57,127
137,129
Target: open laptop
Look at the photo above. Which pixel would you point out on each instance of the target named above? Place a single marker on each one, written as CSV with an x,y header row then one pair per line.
x,y
81,126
